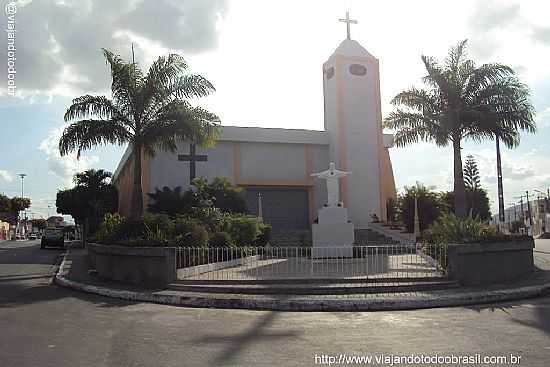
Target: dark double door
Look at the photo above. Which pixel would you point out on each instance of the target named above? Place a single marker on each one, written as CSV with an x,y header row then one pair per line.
x,y
283,209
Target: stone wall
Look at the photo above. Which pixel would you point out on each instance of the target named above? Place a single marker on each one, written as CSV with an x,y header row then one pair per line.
x,y
149,266
490,263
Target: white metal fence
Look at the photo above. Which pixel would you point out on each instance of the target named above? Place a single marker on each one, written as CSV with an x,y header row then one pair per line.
x,y
388,261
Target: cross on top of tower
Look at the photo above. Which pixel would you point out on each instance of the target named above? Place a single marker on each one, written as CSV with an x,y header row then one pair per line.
x,y
348,23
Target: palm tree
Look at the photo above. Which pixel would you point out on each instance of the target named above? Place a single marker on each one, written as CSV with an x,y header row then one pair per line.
x,y
461,102
150,112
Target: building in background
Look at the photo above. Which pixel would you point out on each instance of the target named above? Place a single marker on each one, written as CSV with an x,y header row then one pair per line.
x,y
4,231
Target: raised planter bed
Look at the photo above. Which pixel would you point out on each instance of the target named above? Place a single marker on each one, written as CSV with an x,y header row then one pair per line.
x,y
149,266
490,263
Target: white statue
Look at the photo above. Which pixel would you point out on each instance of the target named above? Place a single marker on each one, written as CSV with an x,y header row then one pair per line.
x,y
331,176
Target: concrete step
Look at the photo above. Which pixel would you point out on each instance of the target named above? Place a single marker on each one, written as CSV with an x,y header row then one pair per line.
x,y
313,287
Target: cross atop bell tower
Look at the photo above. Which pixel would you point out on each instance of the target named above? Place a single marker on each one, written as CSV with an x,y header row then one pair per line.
x,y
348,23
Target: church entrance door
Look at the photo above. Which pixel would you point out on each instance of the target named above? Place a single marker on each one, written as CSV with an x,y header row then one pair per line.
x,y
284,209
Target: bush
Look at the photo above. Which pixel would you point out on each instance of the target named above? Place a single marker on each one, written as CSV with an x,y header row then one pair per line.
x,y
109,229
243,229
157,222
218,194
265,235
452,229
131,228
188,232
429,206
197,237
221,239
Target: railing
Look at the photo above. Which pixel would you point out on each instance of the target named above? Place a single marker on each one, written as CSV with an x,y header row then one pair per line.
x,y
270,263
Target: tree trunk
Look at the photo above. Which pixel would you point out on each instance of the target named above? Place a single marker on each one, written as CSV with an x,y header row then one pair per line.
x,y
500,189
459,189
85,233
136,209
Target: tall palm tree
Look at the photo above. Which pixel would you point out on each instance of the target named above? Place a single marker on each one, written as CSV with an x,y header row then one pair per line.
x,y
148,111
461,102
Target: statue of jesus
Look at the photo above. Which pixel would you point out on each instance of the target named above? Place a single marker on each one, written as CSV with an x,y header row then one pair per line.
x,y
331,176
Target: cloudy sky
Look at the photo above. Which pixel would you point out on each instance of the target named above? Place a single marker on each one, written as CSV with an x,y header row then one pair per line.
x,y
264,57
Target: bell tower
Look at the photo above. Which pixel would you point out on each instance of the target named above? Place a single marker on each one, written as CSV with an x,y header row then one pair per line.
x,y
353,119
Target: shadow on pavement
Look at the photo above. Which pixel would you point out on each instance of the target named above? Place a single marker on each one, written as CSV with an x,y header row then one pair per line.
x,y
30,281
238,342
533,314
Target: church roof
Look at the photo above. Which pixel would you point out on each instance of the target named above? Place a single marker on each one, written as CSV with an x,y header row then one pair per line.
x,y
255,135
351,48
273,135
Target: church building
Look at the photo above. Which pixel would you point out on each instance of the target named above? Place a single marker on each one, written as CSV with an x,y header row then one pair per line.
x,y
278,163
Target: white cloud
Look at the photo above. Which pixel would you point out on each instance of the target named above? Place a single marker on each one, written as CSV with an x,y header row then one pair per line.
x,y
67,166
5,176
543,118
61,57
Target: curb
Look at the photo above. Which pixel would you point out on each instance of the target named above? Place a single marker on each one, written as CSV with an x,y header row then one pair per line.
x,y
296,304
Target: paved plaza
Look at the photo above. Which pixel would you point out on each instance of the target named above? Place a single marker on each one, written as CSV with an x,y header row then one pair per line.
x,y
371,266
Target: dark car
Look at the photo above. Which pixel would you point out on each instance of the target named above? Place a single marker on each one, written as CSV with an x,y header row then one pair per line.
x,y
52,237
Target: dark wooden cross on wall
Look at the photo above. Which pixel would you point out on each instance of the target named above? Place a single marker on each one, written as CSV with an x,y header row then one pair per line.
x,y
192,158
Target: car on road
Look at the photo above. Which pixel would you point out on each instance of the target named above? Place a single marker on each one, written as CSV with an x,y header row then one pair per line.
x,y
52,237
33,236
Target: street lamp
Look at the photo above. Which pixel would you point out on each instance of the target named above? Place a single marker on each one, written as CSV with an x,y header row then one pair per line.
x,y
22,175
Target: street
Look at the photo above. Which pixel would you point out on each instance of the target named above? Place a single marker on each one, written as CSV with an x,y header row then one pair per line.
x,y
45,325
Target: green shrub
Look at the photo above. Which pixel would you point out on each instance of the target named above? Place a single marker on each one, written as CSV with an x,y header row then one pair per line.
x,y
188,232
449,228
197,237
109,229
221,239
157,222
264,237
429,206
243,229
131,228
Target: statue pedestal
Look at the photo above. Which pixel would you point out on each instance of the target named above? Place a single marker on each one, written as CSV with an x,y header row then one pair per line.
x,y
333,236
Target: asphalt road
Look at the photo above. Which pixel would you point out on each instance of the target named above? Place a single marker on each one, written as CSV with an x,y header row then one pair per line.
x,y
44,325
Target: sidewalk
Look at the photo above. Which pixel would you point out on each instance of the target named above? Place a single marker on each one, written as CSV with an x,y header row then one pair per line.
x,y
73,273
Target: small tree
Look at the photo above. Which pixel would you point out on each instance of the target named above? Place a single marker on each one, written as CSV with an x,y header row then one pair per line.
x,y
89,200
471,174
39,224
19,204
429,206
478,203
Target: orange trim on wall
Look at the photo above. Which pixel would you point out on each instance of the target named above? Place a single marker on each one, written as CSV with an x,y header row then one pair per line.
x,y
275,183
383,208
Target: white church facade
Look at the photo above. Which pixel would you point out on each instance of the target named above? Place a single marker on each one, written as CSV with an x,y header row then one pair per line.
x,y
278,163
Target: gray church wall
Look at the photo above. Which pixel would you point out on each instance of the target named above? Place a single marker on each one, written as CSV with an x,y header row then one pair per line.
x,y
261,162
320,158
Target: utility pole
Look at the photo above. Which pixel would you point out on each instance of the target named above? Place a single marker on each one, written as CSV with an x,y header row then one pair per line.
x,y
22,176
499,183
522,214
529,208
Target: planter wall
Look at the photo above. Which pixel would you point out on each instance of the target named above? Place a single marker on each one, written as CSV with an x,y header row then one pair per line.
x,y
490,263
149,266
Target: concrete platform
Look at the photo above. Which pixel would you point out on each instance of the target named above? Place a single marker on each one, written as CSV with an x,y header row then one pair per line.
x,y
373,266
73,273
